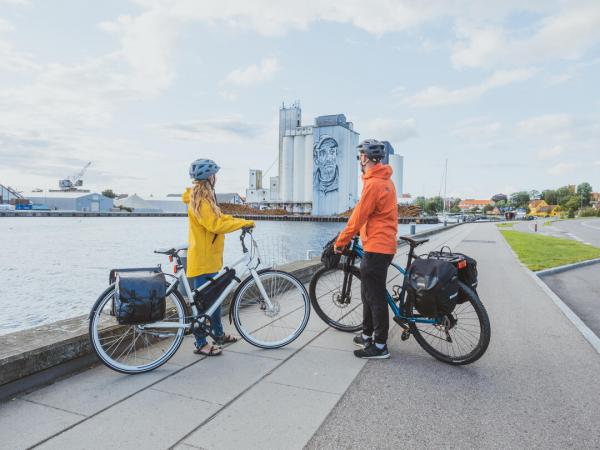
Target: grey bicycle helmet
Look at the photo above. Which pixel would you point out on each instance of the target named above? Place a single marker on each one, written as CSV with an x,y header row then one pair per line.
x,y
374,149
201,169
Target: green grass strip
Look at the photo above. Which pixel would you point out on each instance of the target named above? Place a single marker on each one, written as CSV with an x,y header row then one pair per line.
x,y
539,252
505,225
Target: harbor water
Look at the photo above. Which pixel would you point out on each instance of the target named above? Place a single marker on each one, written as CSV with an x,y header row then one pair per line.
x,y
54,268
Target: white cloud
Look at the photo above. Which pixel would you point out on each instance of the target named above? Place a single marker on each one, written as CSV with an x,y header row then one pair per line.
x,y
393,130
215,130
563,168
549,153
478,130
566,34
440,96
253,74
546,124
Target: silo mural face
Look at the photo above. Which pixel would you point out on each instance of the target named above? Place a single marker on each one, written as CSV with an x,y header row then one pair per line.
x,y
326,171
334,169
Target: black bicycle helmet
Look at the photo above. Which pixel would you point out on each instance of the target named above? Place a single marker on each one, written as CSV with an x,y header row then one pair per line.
x,y
374,149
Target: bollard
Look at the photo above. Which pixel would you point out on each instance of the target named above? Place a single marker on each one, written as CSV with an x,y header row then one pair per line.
x,y
413,228
535,227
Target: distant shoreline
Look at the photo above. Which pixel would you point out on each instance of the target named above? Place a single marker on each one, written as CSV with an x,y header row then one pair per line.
x,y
281,218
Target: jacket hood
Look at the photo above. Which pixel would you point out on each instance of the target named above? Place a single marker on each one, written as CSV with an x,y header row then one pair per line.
x,y
382,171
185,198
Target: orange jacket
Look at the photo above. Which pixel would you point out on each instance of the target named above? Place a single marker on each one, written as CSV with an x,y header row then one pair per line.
x,y
375,215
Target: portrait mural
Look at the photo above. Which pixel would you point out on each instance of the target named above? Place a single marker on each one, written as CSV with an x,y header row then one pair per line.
x,y
325,170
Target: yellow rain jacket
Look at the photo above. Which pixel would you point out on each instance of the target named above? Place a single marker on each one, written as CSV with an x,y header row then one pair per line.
x,y
207,237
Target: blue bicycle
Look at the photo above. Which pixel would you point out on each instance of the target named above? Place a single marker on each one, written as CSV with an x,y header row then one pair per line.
x,y
460,337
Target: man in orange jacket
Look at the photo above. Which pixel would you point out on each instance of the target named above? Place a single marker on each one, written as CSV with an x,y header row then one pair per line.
x,y
376,217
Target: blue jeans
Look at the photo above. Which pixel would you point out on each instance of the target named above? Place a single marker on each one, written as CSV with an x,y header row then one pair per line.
x,y
217,326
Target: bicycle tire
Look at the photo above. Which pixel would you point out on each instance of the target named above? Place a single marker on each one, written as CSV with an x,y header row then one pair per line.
x,y
96,335
480,347
315,300
251,316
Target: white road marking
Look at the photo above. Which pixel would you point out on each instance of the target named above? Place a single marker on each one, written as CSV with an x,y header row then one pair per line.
x,y
587,224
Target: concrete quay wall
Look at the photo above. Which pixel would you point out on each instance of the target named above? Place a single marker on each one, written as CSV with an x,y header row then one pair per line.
x,y
283,218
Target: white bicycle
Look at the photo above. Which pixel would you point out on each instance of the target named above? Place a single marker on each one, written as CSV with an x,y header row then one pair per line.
x,y
270,308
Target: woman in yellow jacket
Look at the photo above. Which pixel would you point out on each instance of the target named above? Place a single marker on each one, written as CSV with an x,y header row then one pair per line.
x,y
208,226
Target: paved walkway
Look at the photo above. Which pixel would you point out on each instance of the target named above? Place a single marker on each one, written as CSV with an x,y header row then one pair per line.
x,y
535,387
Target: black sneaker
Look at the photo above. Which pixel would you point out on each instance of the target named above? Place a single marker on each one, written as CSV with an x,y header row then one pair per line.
x,y
359,341
372,352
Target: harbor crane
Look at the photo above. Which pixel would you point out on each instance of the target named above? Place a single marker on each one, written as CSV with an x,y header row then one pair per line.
x,y
74,182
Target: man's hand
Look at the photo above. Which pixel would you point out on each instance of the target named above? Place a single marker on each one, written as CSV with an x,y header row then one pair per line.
x,y
338,250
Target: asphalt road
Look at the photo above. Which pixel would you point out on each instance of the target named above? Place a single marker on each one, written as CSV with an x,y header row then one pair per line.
x,y
536,387
585,230
580,289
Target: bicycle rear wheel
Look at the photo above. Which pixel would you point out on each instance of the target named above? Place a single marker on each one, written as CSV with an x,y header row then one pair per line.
x,y
135,348
276,326
342,312
461,337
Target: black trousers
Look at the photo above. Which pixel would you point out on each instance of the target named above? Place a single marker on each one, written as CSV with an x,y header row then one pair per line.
x,y
373,274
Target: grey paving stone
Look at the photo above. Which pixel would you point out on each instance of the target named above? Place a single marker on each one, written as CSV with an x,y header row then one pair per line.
x,y
95,389
269,416
218,379
336,340
148,420
23,424
278,353
320,369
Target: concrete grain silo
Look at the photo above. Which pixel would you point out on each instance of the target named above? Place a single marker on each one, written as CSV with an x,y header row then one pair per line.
x,y
287,169
298,169
308,169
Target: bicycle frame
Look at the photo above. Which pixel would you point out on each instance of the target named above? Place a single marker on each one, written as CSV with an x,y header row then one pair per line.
x,y
358,251
249,262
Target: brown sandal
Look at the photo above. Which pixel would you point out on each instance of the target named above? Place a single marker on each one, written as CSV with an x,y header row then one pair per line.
x,y
225,339
213,351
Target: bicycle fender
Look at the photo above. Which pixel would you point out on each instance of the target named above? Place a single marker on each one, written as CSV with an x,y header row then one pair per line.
x,y
96,304
240,287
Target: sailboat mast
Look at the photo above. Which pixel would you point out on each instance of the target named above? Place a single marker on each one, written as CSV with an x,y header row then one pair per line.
x,y
445,185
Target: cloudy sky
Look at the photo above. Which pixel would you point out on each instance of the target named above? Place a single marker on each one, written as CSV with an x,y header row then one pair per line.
x,y
507,90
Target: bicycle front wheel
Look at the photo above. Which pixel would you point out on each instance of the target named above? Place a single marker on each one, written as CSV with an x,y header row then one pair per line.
x,y
338,307
274,321
135,348
461,337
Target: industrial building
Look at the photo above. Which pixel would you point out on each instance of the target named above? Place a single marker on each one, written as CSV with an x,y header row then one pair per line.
x,y
8,195
72,201
317,164
317,171
396,162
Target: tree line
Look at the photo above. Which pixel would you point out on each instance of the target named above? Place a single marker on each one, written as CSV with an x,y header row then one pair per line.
x,y
570,199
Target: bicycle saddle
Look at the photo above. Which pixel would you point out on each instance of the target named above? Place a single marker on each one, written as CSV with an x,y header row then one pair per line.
x,y
172,250
413,242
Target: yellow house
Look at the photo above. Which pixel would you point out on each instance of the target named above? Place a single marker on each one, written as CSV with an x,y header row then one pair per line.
x,y
540,208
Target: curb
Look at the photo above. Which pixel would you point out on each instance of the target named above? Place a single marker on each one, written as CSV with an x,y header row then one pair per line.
x,y
566,267
585,331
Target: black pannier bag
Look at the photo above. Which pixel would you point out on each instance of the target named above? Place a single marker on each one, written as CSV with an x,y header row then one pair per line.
x,y
467,269
207,296
139,297
329,258
432,286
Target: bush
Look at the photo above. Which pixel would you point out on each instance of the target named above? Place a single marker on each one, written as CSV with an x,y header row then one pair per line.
x,y
589,212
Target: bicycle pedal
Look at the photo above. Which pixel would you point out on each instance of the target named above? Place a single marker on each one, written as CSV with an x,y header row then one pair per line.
x,y
405,335
400,322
